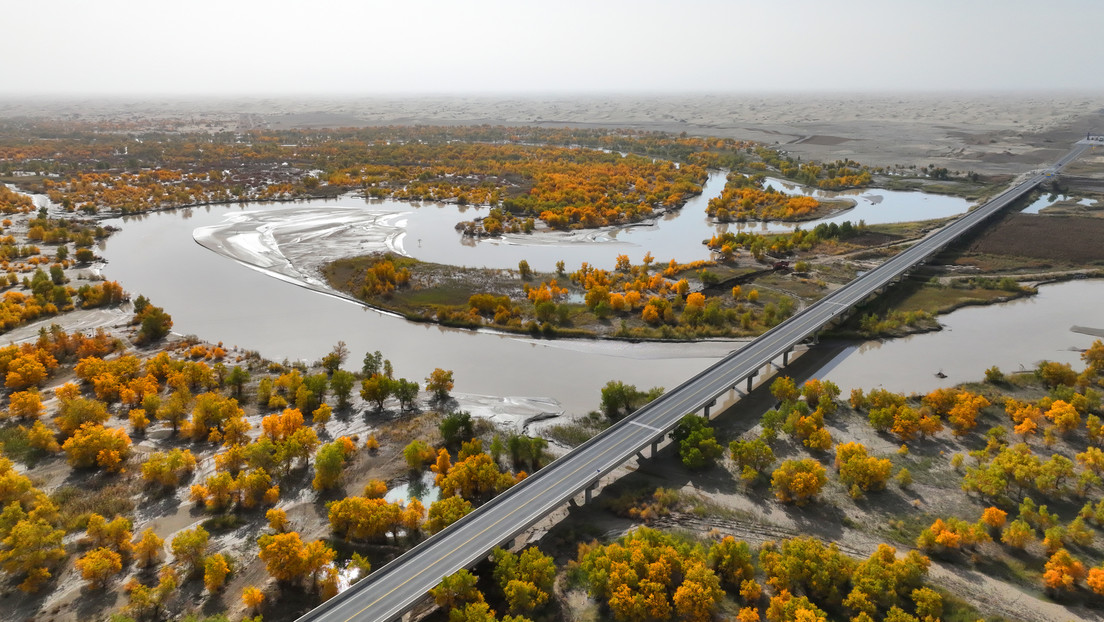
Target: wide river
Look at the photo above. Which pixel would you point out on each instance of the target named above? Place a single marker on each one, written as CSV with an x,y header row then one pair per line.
x,y
223,299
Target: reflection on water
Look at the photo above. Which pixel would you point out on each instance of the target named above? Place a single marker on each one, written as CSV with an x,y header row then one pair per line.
x,y
1014,336
421,488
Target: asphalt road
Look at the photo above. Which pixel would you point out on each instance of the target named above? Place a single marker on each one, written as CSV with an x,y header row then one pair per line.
x,y
390,591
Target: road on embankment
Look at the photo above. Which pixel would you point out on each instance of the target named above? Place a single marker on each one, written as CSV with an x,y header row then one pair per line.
x,y
393,589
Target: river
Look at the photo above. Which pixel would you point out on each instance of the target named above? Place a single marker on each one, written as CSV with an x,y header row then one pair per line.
x,y
219,299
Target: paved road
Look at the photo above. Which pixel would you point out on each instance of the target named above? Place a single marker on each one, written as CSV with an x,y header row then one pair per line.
x,y
390,591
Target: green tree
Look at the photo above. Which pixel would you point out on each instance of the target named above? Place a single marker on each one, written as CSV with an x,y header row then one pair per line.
x,y
342,384
407,393
237,379
620,399
456,428
697,446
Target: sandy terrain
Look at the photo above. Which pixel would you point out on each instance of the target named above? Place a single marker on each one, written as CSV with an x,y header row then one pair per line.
x,y
994,133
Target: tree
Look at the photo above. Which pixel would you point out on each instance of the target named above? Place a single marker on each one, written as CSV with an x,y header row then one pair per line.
x,y
805,565
154,324
25,405
114,535
1063,571
858,469
288,559
697,446
277,520
445,512
252,597
1064,416
731,560
407,393
215,570
439,383
798,481
328,465
417,454
95,445
98,566
752,457
341,382
360,518
373,364
376,389
237,379
165,469
697,598
336,358
620,399
456,590
31,548
456,428
74,412
475,477
189,547
149,549
146,601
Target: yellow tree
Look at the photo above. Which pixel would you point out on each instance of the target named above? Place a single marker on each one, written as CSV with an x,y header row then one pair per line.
x,y
95,445
284,556
25,405
98,566
190,547
797,481
1064,416
277,520
114,535
252,598
445,512
215,570
30,549
1063,571
149,549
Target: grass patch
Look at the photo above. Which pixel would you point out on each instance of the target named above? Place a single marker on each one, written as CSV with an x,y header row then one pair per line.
x,y
905,530
224,522
578,431
957,610
77,503
14,444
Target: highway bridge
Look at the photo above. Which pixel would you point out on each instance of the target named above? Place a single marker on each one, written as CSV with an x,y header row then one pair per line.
x,y
392,590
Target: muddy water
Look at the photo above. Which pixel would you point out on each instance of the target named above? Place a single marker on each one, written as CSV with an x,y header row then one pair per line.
x,y
1014,336
219,299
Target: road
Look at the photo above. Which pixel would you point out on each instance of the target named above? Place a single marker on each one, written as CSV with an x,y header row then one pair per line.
x,y
390,591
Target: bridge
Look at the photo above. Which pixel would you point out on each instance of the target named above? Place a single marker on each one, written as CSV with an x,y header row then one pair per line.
x,y
393,589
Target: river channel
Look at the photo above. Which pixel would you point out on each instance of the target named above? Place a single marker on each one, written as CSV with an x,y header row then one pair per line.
x,y
219,298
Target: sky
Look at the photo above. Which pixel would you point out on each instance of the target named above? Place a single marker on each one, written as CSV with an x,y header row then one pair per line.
x,y
367,47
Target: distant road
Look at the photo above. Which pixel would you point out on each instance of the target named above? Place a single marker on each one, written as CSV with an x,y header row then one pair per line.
x,y
392,590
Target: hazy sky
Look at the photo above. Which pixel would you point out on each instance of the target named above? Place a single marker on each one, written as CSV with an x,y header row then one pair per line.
x,y
365,47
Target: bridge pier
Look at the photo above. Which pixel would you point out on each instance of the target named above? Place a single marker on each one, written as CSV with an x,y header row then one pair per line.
x,y
751,380
589,489
707,407
786,357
